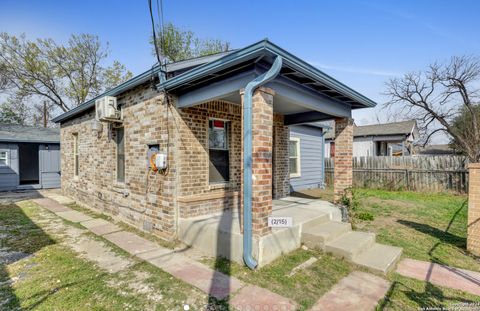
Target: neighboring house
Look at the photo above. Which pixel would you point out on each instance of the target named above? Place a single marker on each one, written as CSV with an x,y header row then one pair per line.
x,y
388,139
192,121
435,150
306,157
29,157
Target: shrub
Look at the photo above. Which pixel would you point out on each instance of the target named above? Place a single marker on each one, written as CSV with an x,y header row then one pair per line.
x,y
365,216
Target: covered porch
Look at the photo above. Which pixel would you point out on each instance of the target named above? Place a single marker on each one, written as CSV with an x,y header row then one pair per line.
x,y
221,234
286,91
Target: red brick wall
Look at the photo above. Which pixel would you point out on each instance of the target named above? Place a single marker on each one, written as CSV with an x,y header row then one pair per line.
x,y
147,202
154,201
343,171
262,129
193,145
281,173
193,182
473,235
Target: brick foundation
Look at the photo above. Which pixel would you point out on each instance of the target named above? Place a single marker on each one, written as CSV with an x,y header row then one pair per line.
x,y
473,234
343,169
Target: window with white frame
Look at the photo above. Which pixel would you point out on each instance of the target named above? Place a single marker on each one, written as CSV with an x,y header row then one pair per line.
x,y
3,158
218,145
294,156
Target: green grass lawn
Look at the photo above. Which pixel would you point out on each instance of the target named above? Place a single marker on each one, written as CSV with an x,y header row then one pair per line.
x,y
430,227
410,294
51,276
305,287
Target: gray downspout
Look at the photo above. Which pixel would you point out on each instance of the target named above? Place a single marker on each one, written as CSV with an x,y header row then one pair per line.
x,y
247,158
323,159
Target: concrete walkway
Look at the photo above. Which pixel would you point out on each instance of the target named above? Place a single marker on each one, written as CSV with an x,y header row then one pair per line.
x,y
216,284
358,291
464,280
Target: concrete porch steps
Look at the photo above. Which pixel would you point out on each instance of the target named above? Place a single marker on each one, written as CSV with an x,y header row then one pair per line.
x,y
350,244
317,236
355,246
379,258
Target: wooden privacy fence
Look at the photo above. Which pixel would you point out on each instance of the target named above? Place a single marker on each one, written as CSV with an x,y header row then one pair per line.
x,y
432,174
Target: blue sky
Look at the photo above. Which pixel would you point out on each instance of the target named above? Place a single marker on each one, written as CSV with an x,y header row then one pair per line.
x,y
361,43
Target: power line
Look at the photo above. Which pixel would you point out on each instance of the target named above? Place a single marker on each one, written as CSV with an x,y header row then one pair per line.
x,y
155,42
160,15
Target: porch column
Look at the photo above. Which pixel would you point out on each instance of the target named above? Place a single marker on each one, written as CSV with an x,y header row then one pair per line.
x,y
262,147
281,174
343,171
473,234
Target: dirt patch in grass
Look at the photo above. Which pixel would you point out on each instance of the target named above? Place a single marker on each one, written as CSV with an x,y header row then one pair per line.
x,y
316,193
375,202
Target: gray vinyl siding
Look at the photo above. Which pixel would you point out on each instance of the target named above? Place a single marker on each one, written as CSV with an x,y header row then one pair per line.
x,y
9,174
49,167
310,157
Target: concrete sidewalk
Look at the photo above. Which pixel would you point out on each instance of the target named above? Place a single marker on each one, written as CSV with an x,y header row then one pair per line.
x,y
211,282
358,291
464,280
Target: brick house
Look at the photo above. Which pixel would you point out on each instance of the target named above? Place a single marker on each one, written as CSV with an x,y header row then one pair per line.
x,y
192,112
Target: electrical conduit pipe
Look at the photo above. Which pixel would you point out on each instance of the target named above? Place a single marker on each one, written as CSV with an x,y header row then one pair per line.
x,y
247,158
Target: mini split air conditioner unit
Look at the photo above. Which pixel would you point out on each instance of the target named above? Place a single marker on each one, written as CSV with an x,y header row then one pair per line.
x,y
106,109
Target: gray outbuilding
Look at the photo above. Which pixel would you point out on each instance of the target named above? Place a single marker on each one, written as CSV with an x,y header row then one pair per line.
x,y
29,157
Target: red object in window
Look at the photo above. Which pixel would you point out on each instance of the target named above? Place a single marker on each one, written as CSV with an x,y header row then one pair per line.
x,y
218,123
332,150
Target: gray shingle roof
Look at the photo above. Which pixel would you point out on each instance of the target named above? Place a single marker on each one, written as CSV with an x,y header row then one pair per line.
x,y
177,67
441,149
394,128
28,134
191,73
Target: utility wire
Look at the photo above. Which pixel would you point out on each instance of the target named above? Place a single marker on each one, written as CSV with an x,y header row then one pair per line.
x,y
160,16
155,42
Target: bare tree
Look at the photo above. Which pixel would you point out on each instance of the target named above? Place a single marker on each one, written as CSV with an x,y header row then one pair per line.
x,y
176,44
437,97
65,75
42,113
3,77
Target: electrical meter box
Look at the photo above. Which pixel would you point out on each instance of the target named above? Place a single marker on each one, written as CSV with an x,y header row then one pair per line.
x,y
161,161
152,149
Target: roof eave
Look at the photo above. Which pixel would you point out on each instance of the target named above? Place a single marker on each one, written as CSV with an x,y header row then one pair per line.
x,y
201,71
255,50
306,68
135,81
29,141
252,51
